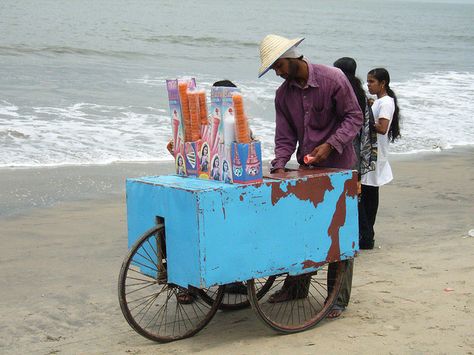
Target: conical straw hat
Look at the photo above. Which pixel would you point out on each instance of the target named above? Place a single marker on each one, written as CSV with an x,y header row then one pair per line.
x,y
271,48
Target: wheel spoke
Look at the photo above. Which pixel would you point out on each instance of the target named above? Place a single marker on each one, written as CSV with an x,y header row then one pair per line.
x,y
139,289
140,273
151,246
142,283
148,258
147,298
147,307
147,266
158,312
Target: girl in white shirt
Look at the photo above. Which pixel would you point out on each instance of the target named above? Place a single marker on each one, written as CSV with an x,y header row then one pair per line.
x,y
386,113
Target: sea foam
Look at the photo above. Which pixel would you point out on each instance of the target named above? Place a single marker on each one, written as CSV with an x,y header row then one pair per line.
x,y
435,113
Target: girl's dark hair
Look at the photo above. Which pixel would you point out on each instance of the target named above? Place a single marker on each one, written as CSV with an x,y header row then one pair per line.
x,y
348,66
226,83
381,74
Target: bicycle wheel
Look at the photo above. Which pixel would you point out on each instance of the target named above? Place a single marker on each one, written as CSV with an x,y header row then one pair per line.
x,y
233,299
150,304
308,298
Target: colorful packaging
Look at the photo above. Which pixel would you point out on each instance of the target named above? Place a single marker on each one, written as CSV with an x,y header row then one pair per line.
x,y
177,124
204,155
205,147
242,133
222,113
247,162
227,176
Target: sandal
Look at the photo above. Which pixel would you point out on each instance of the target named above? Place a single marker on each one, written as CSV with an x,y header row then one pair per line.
x,y
185,297
281,295
335,311
294,287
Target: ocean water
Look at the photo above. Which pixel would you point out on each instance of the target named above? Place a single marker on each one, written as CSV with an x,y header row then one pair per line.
x,y
83,82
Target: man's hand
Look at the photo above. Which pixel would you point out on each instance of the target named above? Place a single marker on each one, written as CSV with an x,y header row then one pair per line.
x,y
170,147
319,154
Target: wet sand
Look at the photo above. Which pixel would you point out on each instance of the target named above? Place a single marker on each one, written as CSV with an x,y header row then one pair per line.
x,y
63,238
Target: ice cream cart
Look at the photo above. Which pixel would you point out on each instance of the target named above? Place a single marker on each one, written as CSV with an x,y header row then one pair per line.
x,y
295,230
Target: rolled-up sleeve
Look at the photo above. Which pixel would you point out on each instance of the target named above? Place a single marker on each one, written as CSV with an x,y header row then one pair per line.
x,y
347,108
285,138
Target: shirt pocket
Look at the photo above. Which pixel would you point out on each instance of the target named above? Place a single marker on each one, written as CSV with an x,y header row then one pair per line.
x,y
320,117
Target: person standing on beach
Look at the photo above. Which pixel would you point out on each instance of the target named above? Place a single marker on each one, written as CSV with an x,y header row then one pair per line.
x,y
386,113
365,143
317,110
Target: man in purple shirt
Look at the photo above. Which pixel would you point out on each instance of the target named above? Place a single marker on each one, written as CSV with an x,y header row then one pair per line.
x,y
317,113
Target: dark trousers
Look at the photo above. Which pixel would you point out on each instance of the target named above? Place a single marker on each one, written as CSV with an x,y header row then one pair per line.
x,y
299,285
346,287
368,206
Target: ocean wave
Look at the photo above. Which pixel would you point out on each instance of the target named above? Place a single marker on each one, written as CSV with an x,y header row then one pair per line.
x,y
83,133
66,50
189,41
199,41
435,110
12,134
8,109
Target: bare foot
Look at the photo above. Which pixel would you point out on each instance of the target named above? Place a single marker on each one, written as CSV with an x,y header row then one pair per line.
x,y
336,311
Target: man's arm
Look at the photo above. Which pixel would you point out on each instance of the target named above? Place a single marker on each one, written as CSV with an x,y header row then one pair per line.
x,y
348,109
285,139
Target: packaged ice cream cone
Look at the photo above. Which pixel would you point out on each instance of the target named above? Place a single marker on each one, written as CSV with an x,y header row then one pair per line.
x,y
194,113
203,108
183,97
176,139
241,125
229,127
215,135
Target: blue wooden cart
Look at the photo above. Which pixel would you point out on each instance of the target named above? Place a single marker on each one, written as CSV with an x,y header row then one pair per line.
x,y
199,245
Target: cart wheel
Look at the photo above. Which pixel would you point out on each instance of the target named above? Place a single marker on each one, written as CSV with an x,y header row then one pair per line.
x,y
312,297
150,304
232,300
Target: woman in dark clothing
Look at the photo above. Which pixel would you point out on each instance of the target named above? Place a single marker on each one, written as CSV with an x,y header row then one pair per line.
x,y
365,143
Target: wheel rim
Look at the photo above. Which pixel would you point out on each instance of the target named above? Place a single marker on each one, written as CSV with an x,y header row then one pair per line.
x,y
312,297
234,301
150,304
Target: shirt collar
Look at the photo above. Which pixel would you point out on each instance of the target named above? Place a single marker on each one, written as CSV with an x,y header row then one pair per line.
x,y
311,76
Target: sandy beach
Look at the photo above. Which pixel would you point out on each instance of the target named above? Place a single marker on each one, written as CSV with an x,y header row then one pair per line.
x,y
63,238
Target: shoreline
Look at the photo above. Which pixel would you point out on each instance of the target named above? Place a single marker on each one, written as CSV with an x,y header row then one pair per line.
x,y
393,156
25,189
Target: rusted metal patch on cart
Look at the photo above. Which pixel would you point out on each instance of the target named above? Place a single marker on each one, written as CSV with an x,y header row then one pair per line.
x,y
310,263
339,218
312,190
302,173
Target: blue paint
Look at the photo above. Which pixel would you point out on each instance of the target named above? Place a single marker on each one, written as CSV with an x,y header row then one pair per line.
x,y
218,233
